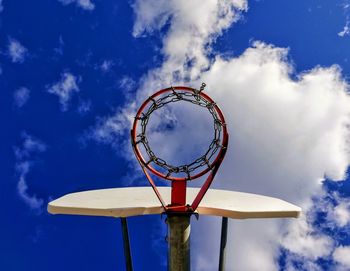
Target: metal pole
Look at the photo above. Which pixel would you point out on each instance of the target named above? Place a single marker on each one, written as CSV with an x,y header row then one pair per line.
x,y
223,243
127,250
179,242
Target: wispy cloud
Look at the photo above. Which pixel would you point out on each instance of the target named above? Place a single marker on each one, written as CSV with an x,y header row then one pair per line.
x,y
21,96
338,211
106,65
341,256
60,47
84,107
346,5
305,244
127,85
84,4
65,88
305,241
193,26
346,30
32,201
111,130
1,6
24,161
30,145
16,51
342,214
308,241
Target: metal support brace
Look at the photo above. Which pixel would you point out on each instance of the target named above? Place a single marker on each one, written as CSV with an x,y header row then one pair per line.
x,y
127,250
223,244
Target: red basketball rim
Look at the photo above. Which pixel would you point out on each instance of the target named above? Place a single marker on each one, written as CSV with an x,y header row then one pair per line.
x,y
140,157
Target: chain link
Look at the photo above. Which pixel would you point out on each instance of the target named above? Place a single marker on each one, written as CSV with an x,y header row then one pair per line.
x,y
196,98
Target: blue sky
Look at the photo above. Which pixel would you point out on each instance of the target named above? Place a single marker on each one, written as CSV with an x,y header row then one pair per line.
x,y
72,74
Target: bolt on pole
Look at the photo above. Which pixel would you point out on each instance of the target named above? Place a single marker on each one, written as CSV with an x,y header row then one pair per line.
x,y
179,242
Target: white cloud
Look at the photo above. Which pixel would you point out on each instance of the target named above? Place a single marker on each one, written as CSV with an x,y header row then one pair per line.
x,y
274,120
342,214
193,26
65,88
110,130
346,5
24,161
303,264
60,48
345,31
16,51
338,210
29,146
302,239
84,4
127,84
106,65
313,238
21,96
341,255
32,201
84,107
287,131
286,135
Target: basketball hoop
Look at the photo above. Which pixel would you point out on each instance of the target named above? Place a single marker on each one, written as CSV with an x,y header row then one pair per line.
x,y
179,174
125,202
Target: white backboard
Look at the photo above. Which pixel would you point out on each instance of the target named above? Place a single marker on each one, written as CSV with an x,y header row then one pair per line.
x,y
133,201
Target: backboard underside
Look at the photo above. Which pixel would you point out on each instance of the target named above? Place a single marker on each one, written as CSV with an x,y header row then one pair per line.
x,y
134,201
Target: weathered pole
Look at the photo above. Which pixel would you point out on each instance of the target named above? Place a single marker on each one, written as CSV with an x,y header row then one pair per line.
x,y
179,242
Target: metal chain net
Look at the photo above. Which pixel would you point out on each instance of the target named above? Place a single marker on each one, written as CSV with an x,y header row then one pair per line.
x,y
176,96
